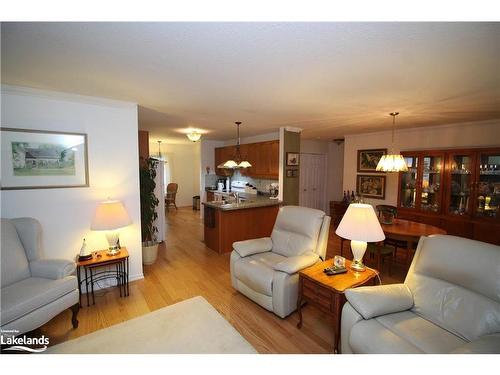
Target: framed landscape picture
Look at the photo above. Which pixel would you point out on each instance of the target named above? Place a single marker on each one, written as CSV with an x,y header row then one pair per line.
x,y
38,159
371,186
368,159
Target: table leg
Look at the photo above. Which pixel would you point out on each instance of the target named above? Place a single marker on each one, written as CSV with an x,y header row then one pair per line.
x,y
126,278
119,277
299,303
92,284
408,249
79,286
87,286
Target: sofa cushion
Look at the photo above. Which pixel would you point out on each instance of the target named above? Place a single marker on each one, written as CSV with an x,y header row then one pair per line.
x,y
15,266
296,230
32,293
403,332
256,271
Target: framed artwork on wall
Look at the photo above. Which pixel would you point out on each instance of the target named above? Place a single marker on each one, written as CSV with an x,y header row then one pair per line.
x,y
292,159
371,186
39,159
368,159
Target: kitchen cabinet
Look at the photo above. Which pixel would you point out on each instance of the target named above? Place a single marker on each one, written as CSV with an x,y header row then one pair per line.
x,y
264,157
221,155
457,190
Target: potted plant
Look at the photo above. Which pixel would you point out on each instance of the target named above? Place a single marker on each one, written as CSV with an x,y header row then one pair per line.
x,y
149,202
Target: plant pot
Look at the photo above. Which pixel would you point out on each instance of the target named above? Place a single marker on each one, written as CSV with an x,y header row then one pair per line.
x,y
149,253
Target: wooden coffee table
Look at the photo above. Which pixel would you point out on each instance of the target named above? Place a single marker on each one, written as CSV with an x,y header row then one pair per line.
x,y
327,292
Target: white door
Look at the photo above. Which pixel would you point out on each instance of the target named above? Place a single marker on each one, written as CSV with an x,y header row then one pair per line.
x,y
313,181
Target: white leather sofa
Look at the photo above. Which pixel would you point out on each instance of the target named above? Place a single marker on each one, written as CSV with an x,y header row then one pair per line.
x,y
449,303
265,269
34,289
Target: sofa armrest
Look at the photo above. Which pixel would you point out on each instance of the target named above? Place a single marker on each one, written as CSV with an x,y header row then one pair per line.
x,y
254,246
489,344
372,301
293,265
52,268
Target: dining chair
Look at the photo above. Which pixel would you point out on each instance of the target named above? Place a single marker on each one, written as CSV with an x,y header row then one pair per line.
x,y
172,189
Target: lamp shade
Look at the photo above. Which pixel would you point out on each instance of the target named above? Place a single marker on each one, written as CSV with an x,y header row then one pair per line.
x,y
392,163
360,223
110,215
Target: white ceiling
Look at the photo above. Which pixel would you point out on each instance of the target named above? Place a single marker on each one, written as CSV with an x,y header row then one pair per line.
x,y
330,79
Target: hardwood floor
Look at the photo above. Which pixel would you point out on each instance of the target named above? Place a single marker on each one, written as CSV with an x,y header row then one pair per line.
x,y
186,268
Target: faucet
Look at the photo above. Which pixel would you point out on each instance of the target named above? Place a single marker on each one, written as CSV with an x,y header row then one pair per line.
x,y
236,196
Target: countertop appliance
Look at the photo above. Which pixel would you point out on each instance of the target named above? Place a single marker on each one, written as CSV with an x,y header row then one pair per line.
x,y
243,187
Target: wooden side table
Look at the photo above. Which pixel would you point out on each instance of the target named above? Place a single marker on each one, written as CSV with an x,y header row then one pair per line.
x,y
92,275
327,292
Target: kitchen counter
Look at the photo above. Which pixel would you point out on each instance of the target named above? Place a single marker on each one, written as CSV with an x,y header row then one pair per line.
x,y
225,223
249,201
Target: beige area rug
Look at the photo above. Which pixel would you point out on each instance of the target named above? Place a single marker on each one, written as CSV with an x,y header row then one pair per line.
x,y
190,326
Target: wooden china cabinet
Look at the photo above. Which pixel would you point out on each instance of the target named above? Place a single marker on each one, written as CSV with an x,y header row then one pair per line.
x,y
457,190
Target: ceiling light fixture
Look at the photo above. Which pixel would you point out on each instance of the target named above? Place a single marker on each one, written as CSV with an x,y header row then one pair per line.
x,y
392,162
194,136
237,162
159,156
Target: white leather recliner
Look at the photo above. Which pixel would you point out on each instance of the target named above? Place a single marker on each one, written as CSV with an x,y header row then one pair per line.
x,y
449,303
266,269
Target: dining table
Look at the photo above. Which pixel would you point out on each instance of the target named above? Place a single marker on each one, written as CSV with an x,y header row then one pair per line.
x,y
405,231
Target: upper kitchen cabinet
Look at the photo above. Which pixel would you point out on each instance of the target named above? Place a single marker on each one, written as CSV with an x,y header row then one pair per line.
x,y
264,157
223,154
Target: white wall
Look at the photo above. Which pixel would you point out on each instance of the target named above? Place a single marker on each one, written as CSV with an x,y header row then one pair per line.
x,y
184,164
478,134
65,214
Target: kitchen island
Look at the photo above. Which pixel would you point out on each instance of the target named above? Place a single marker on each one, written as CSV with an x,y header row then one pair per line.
x,y
228,222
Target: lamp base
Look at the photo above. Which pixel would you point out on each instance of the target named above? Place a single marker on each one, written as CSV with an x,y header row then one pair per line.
x,y
358,249
358,266
114,243
111,252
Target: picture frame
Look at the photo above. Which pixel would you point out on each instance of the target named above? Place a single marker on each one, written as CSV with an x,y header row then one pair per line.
x,y
371,186
368,160
292,159
43,159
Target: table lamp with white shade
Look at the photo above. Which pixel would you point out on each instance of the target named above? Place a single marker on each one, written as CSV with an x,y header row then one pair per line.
x,y
110,216
360,225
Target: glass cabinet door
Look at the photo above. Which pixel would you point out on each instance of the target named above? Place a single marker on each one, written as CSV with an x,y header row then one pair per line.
x,y
488,186
430,195
459,193
408,186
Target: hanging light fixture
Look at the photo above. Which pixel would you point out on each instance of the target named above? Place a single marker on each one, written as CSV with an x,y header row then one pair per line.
x,y
392,162
194,136
237,162
159,156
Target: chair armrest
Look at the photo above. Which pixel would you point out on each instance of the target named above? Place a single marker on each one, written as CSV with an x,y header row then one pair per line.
x,y
489,344
293,265
52,268
255,246
372,301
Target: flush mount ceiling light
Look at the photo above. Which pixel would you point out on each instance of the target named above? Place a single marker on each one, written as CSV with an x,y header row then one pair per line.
x,y
238,161
194,136
392,162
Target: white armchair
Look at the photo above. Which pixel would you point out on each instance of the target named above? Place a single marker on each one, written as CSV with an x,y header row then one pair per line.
x,y
266,269
33,289
449,303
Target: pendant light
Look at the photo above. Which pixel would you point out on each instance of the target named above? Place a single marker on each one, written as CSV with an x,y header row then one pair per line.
x,y
237,162
392,162
160,156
